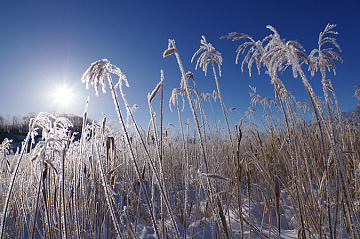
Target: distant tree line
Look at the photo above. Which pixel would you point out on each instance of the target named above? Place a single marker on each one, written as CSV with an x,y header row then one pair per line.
x,y
19,124
353,115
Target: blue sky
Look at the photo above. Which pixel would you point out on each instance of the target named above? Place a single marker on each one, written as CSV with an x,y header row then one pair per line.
x,y
45,44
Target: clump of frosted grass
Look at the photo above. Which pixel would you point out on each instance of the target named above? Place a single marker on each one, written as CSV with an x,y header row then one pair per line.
x,y
54,133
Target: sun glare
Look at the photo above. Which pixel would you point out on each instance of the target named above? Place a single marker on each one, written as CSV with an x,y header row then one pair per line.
x,y
63,96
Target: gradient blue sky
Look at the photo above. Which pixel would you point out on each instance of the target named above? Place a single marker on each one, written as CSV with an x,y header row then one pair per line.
x,y
48,43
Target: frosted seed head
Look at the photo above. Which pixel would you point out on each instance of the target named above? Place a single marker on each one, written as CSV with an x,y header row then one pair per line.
x,y
96,74
208,55
99,72
157,88
168,52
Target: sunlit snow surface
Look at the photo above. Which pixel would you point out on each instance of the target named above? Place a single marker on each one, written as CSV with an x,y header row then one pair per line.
x,y
203,228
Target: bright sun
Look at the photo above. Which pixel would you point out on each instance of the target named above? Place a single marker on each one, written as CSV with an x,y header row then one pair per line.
x,y
63,96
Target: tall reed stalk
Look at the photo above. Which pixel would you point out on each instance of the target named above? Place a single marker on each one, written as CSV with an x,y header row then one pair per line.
x,y
96,74
208,55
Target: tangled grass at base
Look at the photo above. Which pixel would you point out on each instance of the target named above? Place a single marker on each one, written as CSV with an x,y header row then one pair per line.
x,y
274,174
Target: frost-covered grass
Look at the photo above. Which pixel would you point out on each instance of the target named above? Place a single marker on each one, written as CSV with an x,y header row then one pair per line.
x,y
273,174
